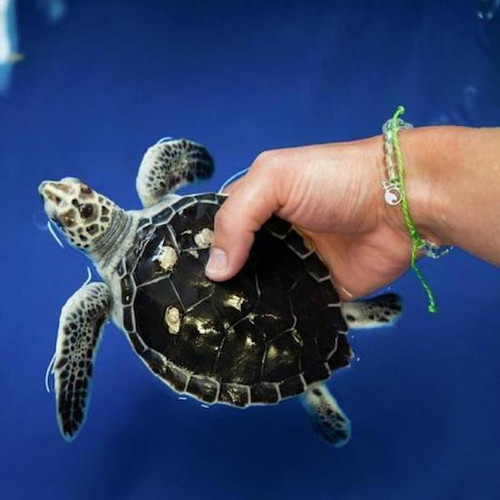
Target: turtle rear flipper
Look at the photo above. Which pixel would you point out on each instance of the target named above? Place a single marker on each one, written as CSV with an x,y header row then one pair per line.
x,y
170,164
326,416
380,311
80,331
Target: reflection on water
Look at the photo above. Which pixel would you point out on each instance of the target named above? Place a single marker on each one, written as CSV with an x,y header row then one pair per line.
x,y
476,100
8,42
53,9
9,52
488,9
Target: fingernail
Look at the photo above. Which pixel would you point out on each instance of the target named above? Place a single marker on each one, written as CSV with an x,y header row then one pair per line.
x,y
217,261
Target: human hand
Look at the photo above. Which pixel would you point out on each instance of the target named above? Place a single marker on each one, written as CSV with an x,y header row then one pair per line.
x,y
332,194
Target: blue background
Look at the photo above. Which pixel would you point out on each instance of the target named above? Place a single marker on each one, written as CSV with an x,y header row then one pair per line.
x,y
109,79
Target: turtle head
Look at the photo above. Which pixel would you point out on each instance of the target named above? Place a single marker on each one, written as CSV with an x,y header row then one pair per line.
x,y
82,214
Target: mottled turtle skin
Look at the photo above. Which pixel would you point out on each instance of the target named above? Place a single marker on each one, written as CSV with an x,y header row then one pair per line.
x,y
267,334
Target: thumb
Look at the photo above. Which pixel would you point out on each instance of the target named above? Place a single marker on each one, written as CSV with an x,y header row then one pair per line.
x,y
249,205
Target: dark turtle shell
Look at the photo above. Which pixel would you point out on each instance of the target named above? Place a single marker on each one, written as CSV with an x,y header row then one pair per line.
x,y
266,334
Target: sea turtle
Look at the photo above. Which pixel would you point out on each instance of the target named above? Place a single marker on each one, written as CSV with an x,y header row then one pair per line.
x,y
274,331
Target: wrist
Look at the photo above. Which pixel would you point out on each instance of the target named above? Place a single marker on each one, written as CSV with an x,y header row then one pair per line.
x,y
427,153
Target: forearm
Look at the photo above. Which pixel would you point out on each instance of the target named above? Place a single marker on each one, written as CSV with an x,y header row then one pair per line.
x,y
453,187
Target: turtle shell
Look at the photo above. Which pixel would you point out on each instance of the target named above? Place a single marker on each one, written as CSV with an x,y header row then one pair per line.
x,y
266,334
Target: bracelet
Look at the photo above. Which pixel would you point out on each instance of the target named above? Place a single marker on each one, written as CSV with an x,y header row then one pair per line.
x,y
392,187
395,194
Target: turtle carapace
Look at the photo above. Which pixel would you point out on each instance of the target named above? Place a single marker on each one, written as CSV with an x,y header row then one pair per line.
x,y
276,330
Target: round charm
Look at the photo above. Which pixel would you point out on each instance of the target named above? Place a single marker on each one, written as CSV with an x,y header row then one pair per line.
x,y
392,193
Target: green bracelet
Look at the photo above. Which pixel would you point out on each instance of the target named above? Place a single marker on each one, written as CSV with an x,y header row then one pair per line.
x,y
395,194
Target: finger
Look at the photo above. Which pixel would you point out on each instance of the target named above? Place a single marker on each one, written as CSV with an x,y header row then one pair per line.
x,y
250,204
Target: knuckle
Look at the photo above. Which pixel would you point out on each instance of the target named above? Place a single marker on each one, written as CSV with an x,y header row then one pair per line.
x,y
267,160
270,172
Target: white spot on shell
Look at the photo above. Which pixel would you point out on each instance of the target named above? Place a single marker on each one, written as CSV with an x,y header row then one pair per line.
x,y
202,325
173,319
203,238
203,329
249,343
272,352
234,301
166,257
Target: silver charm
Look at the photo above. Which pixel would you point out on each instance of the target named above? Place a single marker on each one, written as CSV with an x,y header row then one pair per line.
x,y
392,194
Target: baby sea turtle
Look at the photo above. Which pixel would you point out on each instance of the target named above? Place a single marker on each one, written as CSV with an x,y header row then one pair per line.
x,y
275,330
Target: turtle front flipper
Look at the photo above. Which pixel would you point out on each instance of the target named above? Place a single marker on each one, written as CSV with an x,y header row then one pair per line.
x,y
168,165
80,330
326,416
383,310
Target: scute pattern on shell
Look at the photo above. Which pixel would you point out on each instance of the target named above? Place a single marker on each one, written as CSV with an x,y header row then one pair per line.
x,y
266,334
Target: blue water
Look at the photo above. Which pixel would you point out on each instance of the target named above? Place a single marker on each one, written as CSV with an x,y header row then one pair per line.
x,y
107,80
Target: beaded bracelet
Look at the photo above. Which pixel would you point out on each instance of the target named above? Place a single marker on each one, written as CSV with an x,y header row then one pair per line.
x,y
395,194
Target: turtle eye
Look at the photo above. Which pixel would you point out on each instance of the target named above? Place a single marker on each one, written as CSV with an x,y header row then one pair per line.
x,y
54,198
86,211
